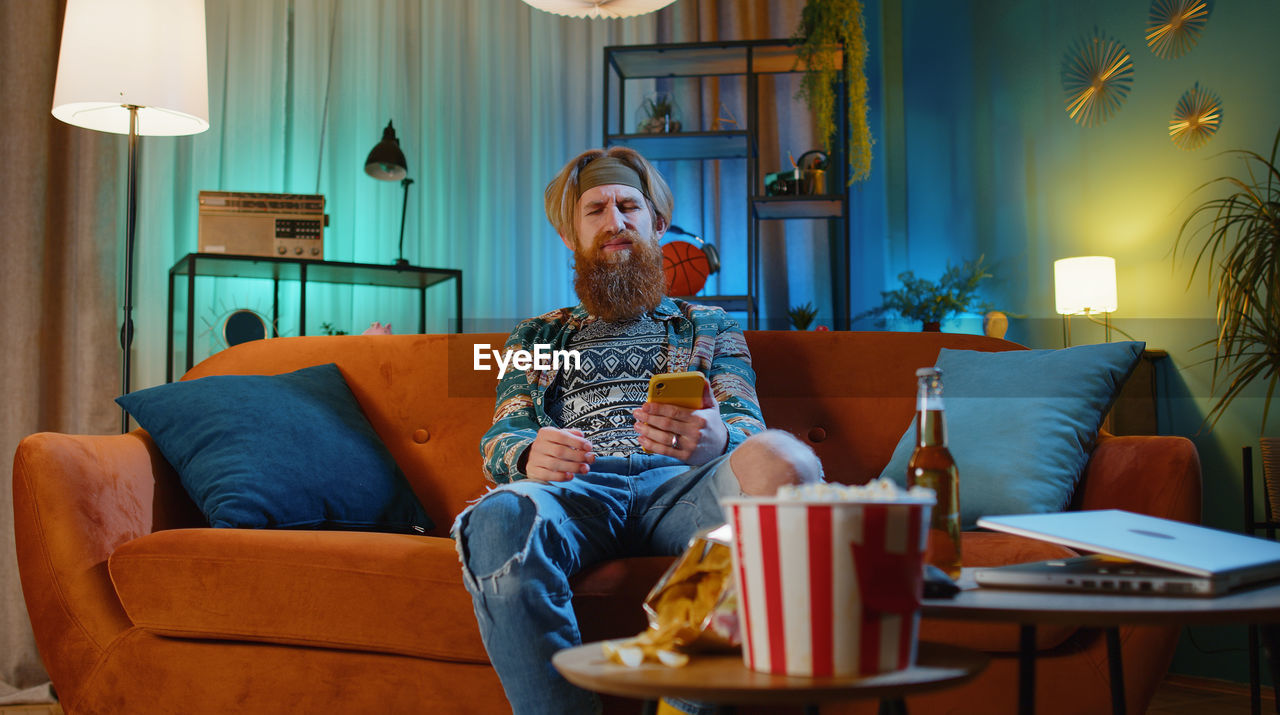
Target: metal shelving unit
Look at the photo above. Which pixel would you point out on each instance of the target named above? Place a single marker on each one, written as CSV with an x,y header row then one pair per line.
x,y
748,59
302,272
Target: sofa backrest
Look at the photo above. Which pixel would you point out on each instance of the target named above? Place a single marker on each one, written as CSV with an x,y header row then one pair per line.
x,y
850,395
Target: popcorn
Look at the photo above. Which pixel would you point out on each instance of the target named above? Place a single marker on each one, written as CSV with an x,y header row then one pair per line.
x,y
880,489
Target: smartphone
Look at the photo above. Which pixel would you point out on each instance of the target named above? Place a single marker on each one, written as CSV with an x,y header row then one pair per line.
x,y
683,389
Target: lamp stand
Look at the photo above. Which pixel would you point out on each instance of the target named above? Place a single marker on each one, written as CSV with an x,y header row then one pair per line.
x,y
404,211
131,230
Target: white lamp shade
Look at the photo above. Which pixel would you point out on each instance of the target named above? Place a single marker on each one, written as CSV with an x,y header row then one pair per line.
x,y
146,53
1085,284
599,8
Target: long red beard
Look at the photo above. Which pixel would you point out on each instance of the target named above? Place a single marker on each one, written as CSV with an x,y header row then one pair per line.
x,y
619,286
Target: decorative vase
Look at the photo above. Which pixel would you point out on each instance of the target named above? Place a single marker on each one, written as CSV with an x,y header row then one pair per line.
x,y
995,324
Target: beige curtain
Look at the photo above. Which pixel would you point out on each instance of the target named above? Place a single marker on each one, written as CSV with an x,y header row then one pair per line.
x,y
58,271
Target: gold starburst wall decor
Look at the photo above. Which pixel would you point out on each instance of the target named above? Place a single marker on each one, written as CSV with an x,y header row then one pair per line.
x,y
1174,26
1196,118
1097,73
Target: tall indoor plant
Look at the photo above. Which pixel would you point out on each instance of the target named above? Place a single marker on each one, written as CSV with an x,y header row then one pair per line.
x,y
825,24
1240,243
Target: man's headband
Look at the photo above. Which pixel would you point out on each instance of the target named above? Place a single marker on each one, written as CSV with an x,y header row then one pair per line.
x,y
608,170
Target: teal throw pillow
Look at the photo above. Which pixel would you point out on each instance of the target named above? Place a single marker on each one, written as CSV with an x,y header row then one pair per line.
x,y
1021,423
291,451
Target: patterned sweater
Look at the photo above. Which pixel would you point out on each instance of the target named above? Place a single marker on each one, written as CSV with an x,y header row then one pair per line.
x,y
699,338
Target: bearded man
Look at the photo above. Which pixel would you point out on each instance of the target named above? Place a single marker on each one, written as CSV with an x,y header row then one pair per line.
x,y
586,469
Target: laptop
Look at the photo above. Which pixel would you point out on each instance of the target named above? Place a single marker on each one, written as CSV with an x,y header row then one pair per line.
x,y
1133,553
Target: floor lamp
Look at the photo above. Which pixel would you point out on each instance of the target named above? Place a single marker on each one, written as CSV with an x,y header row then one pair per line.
x,y
136,67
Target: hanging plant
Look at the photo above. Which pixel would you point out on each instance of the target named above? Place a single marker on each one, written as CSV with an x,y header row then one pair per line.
x,y
825,24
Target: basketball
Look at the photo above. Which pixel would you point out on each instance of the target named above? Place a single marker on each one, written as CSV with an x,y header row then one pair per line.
x,y
686,268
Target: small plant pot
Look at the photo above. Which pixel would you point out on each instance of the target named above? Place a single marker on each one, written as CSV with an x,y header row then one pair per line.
x,y
932,327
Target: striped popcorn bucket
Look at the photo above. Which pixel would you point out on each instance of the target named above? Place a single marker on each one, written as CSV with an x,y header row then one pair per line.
x,y
829,588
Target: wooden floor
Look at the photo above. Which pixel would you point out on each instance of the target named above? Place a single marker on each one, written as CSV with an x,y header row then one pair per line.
x,y
1177,695
53,709
1182,695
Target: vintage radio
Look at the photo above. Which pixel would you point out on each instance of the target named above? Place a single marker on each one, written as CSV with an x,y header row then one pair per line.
x,y
245,224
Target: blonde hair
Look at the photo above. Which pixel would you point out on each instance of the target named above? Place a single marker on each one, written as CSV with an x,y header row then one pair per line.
x,y
562,194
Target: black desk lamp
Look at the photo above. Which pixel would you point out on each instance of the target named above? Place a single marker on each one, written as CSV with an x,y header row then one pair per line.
x,y
386,162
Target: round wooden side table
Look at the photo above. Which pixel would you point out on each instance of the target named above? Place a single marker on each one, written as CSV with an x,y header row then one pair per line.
x,y
723,679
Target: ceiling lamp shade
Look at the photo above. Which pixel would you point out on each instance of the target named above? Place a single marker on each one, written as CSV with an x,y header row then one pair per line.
x,y
386,161
1086,284
146,54
599,8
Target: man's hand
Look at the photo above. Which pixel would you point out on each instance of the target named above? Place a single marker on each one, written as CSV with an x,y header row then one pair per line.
x,y
692,436
558,454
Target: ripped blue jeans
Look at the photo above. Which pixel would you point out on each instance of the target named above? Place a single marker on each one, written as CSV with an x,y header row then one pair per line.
x,y
521,543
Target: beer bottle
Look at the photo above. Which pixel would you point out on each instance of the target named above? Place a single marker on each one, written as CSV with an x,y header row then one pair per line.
x,y
931,466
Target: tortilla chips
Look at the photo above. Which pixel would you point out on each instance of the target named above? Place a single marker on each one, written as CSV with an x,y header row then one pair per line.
x,y
693,607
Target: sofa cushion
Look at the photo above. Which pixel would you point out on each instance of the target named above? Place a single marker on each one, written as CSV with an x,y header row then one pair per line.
x,y
393,593
385,593
1021,423
282,451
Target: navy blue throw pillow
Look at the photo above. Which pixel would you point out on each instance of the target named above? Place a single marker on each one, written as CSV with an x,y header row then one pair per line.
x,y
291,451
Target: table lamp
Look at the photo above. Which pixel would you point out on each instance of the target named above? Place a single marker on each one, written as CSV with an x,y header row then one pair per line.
x,y
136,67
1084,285
386,162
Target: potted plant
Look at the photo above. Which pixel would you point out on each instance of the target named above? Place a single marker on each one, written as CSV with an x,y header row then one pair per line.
x,y
1240,242
824,25
802,316
658,114
931,302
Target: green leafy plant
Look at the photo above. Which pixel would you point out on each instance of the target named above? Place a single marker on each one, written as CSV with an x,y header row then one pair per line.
x,y
802,316
929,301
328,329
825,24
1240,243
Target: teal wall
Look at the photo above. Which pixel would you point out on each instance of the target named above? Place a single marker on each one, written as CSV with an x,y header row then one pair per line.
x,y
990,163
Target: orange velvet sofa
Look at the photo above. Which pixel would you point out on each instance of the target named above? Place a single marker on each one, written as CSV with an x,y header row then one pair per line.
x,y
139,607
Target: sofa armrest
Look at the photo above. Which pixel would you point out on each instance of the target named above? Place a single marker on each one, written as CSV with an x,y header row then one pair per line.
x,y
1158,476
75,499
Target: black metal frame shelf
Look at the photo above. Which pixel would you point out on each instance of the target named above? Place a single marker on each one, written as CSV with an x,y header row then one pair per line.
x,y
794,207
708,59
686,145
303,272
731,303
748,59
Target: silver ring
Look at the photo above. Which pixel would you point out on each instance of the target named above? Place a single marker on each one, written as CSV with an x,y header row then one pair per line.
x,y
674,439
